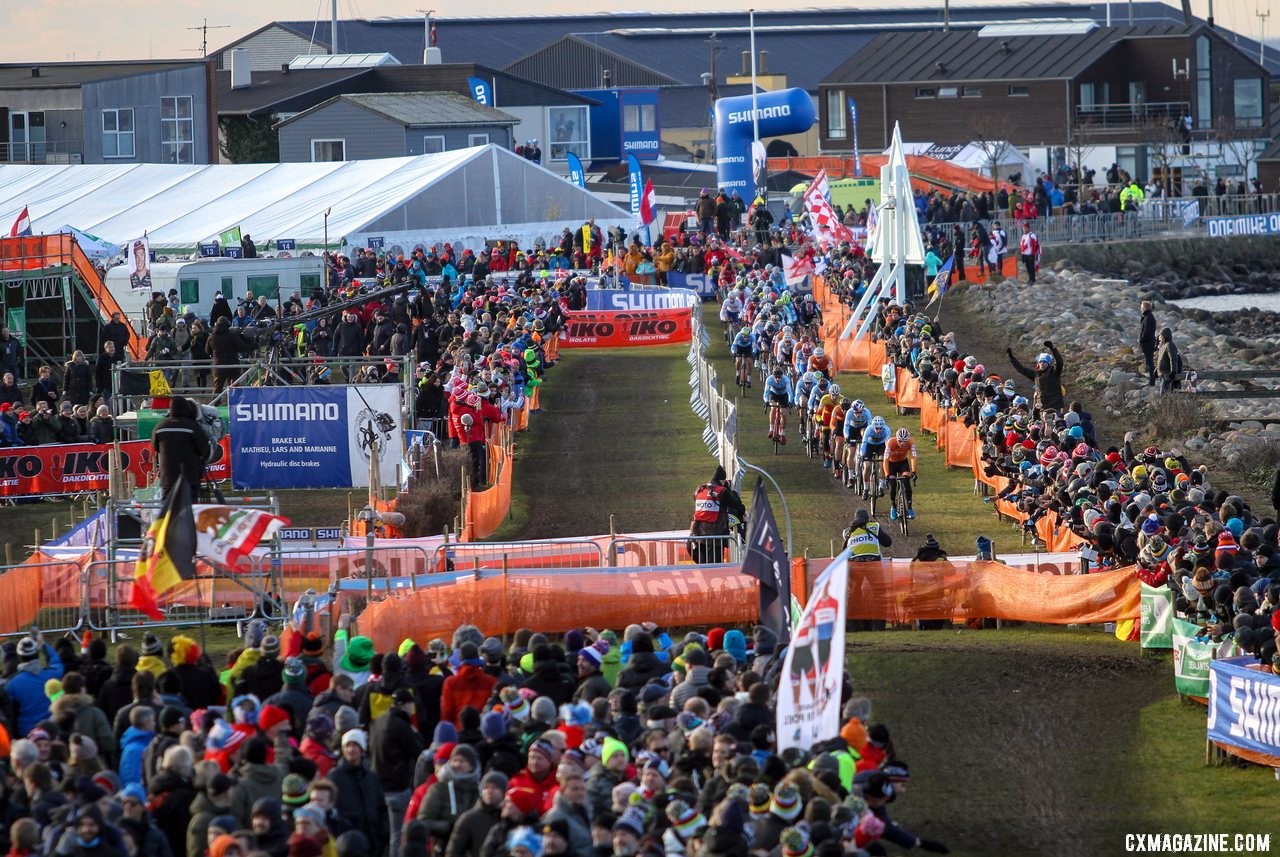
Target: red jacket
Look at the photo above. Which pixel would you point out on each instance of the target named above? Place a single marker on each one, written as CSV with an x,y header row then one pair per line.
x,y
470,685
545,789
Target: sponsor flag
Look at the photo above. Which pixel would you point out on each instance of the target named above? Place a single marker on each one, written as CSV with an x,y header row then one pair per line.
x,y
796,269
637,193
230,238
941,281
21,226
822,217
853,128
1192,654
226,534
808,707
648,204
168,554
481,91
435,36
577,174
1157,618
766,561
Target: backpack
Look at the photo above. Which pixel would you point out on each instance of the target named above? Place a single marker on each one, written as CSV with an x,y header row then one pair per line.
x,y
215,428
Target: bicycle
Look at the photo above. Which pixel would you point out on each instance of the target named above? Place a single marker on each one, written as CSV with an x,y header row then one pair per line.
x,y
870,480
777,426
900,502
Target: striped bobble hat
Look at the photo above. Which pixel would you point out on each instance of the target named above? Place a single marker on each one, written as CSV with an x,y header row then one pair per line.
x,y
786,802
737,791
517,705
759,799
686,820
795,842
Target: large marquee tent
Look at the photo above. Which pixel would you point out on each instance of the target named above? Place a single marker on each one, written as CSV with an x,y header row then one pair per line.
x,y
464,196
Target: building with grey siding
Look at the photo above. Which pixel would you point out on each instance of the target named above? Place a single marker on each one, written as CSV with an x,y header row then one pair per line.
x,y
159,112
391,125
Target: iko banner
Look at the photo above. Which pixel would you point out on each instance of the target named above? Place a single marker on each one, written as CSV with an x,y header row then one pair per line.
x,y
589,329
27,471
314,437
1244,708
813,668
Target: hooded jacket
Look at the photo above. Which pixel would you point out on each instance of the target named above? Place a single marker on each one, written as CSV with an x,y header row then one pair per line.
x,y
133,744
470,685
394,746
88,720
26,690
256,781
470,830
116,691
449,797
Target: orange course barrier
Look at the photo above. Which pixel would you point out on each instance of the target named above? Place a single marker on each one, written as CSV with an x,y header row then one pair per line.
x,y
608,329
487,509
908,390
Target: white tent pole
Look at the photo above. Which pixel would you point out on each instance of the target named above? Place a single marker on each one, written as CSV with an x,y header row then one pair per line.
x,y
497,185
863,302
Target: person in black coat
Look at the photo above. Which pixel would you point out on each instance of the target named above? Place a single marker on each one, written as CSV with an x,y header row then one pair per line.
x,y
181,446
1147,341
360,800
225,346
221,309
643,665
117,691
549,679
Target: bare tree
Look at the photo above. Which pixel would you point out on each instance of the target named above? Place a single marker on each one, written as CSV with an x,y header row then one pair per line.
x,y
1081,144
1166,144
1241,142
991,135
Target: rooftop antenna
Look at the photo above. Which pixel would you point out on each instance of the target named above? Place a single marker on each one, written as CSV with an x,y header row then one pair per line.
x,y
204,29
333,26
428,27
1262,35
946,16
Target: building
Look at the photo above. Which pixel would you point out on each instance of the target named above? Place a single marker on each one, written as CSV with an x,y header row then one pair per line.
x,y
264,98
365,126
1123,93
152,112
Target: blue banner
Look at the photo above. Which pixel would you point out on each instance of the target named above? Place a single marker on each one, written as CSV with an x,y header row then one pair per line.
x,y
376,242
1244,707
210,249
314,437
577,175
1254,224
481,91
637,189
607,300
286,244
853,127
702,284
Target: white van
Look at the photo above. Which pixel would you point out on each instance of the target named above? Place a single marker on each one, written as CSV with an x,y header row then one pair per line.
x,y
199,280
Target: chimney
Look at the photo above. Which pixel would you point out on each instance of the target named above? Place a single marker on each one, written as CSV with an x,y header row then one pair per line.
x,y
432,56
284,68
764,63
35,71
746,63
241,74
606,78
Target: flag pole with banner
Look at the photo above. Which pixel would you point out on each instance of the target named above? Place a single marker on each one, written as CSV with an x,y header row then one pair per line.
x,y
853,130
766,561
941,282
577,175
168,554
813,667
637,190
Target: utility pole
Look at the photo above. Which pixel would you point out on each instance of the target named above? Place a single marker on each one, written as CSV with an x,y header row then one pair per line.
x,y
204,29
1262,35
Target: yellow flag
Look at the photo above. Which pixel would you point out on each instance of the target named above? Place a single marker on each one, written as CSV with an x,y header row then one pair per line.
x,y
159,384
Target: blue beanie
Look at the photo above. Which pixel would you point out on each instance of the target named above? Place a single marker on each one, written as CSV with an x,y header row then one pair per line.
x,y
493,725
1236,526
445,734
736,644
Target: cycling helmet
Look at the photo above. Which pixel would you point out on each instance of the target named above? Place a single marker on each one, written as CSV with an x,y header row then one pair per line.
x,y
824,383
878,424
835,390
818,352
857,406
808,377
844,402
777,371
904,434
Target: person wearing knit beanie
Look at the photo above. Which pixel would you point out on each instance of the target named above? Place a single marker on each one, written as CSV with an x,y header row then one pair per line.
x,y
686,823
493,725
517,705
785,803
272,719
759,798
794,842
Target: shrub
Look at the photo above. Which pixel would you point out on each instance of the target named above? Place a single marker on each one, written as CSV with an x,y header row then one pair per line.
x,y
433,502
1175,416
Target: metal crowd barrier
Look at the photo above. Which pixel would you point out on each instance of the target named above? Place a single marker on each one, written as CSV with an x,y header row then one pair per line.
x,y
631,552
475,556
48,595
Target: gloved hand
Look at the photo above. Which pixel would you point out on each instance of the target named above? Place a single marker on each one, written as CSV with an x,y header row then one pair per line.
x,y
915,477
934,846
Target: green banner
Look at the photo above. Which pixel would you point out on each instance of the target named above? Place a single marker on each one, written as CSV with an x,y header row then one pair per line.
x,y
1157,617
230,238
1191,657
18,324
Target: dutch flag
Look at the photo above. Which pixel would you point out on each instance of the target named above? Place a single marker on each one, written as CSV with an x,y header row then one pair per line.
x,y
21,226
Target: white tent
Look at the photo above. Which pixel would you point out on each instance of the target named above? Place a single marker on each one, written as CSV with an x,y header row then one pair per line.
x,y
972,157
461,196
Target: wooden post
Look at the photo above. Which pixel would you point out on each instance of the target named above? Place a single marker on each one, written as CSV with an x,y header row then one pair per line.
x,y
505,615
8,554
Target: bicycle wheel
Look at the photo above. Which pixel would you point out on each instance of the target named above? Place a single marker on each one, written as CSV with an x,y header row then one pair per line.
x,y
904,523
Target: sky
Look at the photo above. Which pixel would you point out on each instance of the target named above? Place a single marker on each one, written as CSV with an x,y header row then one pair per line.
x,y
66,30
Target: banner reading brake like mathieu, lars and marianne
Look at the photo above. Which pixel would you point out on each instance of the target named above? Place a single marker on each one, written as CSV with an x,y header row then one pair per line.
x,y
595,329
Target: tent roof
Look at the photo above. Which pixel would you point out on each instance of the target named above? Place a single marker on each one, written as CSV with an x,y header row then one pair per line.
x,y
181,206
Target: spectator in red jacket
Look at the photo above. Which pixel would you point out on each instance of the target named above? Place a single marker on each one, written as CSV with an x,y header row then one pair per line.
x,y
470,685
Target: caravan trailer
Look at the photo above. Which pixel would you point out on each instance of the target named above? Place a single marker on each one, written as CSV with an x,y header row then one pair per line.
x,y
199,280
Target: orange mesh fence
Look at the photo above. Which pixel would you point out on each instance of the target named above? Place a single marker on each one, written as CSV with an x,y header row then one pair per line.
x,y
960,443
908,388
501,604
931,418
19,597
487,509
551,347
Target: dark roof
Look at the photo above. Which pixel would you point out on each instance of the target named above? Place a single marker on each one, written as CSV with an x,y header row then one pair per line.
x,y
275,92
421,109
64,74
913,56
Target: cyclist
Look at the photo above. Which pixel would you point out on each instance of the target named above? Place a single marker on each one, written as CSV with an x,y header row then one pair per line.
x,y
820,362
778,394
809,313
900,460
731,310
803,352
836,429
822,420
874,440
743,348
785,348
856,419
805,388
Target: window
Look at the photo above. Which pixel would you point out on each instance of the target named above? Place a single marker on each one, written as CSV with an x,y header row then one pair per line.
x,y
477,139
837,128
308,282
971,92
1204,83
1019,91
637,118
432,145
926,92
265,285
568,132
1094,96
117,133
948,91
1248,102
328,150
227,283
189,291
177,130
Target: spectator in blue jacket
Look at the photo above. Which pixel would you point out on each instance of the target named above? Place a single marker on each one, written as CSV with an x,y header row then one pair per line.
x,y
26,688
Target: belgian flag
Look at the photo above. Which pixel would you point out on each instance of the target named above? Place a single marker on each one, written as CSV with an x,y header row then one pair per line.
x,y
168,554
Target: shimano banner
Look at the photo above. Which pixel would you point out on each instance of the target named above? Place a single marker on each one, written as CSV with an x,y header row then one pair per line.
x,y
314,437
1244,709
703,284
614,299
